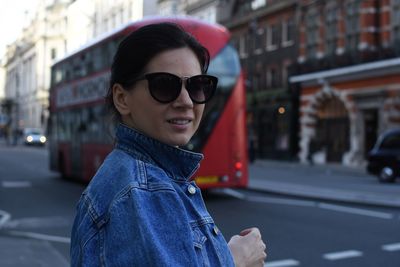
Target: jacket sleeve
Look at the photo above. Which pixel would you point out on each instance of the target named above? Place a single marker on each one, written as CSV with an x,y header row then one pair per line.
x,y
148,228
85,246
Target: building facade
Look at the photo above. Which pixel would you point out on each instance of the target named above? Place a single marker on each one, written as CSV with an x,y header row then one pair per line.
x,y
170,7
27,65
205,10
264,32
347,76
58,27
109,15
88,20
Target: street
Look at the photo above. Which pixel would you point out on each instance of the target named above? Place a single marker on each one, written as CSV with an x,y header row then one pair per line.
x,y
37,209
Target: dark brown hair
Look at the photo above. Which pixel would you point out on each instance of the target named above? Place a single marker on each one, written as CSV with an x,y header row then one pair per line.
x,y
139,47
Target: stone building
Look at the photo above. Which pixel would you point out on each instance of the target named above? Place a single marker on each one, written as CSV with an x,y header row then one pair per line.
x,y
27,65
348,77
58,27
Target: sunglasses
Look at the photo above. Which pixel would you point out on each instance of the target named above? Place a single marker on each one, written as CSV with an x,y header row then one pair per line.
x,y
166,87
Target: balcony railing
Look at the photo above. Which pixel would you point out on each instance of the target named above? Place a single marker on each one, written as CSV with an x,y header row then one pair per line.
x,y
346,59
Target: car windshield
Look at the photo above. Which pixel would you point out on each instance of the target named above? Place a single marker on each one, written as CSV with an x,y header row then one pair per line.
x,y
391,142
33,132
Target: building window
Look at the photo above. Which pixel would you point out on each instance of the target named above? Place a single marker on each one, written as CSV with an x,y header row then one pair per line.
x,y
256,82
288,31
273,78
258,41
312,28
243,45
331,29
352,24
53,53
272,37
285,73
256,4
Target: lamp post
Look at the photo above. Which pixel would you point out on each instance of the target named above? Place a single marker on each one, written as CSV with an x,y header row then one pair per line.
x,y
16,124
253,118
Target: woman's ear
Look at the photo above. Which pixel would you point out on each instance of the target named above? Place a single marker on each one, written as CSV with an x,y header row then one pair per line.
x,y
119,98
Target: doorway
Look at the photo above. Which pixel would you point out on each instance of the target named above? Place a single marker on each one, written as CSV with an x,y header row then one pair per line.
x,y
332,129
370,129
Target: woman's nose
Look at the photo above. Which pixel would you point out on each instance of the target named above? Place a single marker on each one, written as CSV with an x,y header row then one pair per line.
x,y
183,99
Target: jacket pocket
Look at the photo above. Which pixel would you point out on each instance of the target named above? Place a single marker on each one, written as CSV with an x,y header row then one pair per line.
x,y
199,242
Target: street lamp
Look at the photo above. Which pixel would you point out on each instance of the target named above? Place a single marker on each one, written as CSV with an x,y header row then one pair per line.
x,y
16,124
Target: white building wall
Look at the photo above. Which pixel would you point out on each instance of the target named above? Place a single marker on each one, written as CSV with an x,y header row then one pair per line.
x,y
171,7
204,10
79,24
28,61
109,15
2,82
57,28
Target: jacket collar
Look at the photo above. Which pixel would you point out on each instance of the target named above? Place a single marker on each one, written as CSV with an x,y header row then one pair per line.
x,y
180,164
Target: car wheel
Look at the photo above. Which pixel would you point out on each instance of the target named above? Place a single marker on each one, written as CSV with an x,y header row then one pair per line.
x,y
386,175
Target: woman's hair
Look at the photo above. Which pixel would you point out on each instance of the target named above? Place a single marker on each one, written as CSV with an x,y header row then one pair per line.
x,y
137,49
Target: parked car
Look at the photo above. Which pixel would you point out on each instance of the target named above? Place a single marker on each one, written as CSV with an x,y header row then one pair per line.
x,y
34,136
384,158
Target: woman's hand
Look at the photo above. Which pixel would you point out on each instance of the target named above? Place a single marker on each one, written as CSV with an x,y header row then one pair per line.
x,y
248,249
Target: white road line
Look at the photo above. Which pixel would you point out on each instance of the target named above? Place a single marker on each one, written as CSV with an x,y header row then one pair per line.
x,y
340,255
275,200
35,222
4,218
231,192
16,184
53,238
370,213
391,247
282,263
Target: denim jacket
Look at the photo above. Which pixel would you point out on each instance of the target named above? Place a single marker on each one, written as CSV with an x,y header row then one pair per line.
x,y
141,209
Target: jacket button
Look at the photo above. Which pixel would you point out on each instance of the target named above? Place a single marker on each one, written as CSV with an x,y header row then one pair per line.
x,y
216,230
192,189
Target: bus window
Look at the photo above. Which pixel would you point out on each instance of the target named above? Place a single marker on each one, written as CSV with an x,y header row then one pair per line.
x,y
226,66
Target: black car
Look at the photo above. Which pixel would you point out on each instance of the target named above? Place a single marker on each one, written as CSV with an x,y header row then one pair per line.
x,y
384,158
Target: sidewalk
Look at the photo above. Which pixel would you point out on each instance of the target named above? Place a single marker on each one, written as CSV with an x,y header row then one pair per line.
x,y
333,182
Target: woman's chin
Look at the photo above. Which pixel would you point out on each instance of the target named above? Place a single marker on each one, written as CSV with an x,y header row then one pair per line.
x,y
178,142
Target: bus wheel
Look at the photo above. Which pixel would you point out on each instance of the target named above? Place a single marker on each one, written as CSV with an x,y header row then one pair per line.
x,y
386,175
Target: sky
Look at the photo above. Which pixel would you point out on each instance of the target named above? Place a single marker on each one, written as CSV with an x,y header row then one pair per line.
x,y
12,13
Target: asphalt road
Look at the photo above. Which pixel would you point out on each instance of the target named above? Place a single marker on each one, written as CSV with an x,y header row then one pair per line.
x,y
37,209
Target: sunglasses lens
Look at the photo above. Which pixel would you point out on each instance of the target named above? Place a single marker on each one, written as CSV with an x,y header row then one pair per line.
x,y
164,87
201,88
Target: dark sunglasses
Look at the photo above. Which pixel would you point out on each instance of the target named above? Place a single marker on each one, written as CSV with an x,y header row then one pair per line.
x,y
166,87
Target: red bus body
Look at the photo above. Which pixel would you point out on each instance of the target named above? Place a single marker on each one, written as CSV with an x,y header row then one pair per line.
x,y
78,156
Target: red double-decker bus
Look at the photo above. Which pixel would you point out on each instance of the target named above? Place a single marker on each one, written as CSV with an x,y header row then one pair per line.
x,y
80,134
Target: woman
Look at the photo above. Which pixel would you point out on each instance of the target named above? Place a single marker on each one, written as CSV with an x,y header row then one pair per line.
x,y
141,208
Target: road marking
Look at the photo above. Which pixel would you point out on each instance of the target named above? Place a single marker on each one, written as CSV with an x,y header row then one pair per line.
x,y
36,222
340,255
231,192
4,218
391,247
307,203
282,263
53,238
275,200
16,184
371,213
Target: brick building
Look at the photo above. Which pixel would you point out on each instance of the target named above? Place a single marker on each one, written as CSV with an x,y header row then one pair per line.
x,y
348,77
264,33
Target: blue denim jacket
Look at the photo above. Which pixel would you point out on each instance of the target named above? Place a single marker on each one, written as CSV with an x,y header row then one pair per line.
x,y
141,209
